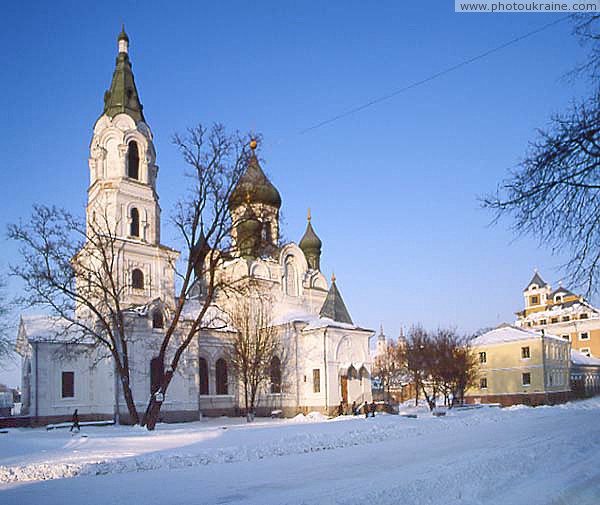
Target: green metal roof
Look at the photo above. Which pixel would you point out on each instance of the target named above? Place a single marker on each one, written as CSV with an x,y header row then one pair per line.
x,y
310,241
334,306
122,97
255,185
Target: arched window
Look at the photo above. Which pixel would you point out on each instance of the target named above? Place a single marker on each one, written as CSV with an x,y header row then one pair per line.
x,y
275,373
203,372
133,160
157,319
352,374
266,232
291,286
137,279
221,373
134,229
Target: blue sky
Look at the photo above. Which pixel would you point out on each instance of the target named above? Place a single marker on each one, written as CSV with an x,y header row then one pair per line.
x,y
393,189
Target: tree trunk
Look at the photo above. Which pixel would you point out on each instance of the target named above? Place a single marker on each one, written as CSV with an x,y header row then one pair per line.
x,y
128,395
155,404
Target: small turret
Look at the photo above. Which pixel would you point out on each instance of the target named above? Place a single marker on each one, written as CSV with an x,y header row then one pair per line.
x,y
311,246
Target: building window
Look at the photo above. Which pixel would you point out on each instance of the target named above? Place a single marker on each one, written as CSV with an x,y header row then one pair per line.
x,y
291,283
137,279
583,316
554,320
586,351
68,384
526,379
483,383
584,336
157,319
534,300
275,373
134,228
133,160
203,373
266,232
316,380
566,318
543,322
529,323
558,299
566,337
221,376
525,353
482,357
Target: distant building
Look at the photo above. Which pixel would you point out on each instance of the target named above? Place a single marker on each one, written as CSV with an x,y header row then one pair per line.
x,y
563,313
585,375
520,366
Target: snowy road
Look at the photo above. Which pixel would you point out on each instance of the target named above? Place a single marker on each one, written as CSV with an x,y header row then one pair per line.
x,y
521,456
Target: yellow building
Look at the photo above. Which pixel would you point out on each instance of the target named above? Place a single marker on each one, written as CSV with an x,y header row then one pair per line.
x,y
563,313
520,366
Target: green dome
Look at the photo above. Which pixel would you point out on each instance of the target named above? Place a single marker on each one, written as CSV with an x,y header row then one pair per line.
x,y
254,187
310,242
311,246
123,35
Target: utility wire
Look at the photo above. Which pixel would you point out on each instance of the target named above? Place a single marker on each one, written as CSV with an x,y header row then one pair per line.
x,y
432,77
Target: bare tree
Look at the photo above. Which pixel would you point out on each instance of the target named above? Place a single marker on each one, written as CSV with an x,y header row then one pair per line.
x,y
554,194
439,363
216,161
414,355
389,368
456,365
73,270
256,353
6,342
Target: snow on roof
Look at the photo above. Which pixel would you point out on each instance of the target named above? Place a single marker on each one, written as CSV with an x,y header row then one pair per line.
x,y
214,317
508,333
313,321
578,358
46,328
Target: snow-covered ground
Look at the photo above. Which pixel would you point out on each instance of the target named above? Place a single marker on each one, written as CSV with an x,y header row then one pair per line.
x,y
546,455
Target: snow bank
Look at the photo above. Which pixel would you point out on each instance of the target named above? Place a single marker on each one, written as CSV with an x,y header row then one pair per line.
x,y
291,440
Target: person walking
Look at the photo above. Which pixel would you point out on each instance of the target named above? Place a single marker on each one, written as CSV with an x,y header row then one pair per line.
x,y
354,411
75,421
366,409
341,408
373,408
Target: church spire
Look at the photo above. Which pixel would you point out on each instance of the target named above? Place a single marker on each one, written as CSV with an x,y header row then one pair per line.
x,y
122,97
334,306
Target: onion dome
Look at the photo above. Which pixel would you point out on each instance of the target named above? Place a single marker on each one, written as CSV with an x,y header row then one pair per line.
x,y
311,246
255,183
123,35
248,233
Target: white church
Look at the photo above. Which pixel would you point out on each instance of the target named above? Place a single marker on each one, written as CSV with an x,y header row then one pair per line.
x,y
328,359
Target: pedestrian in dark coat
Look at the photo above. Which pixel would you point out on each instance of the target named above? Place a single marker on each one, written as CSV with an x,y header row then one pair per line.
x,y
373,408
366,409
341,409
354,412
75,421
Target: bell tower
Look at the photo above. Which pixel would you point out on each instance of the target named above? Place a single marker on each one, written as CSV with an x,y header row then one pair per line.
x,y
122,197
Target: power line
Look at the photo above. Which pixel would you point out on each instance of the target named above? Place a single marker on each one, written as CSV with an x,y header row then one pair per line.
x,y
432,77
